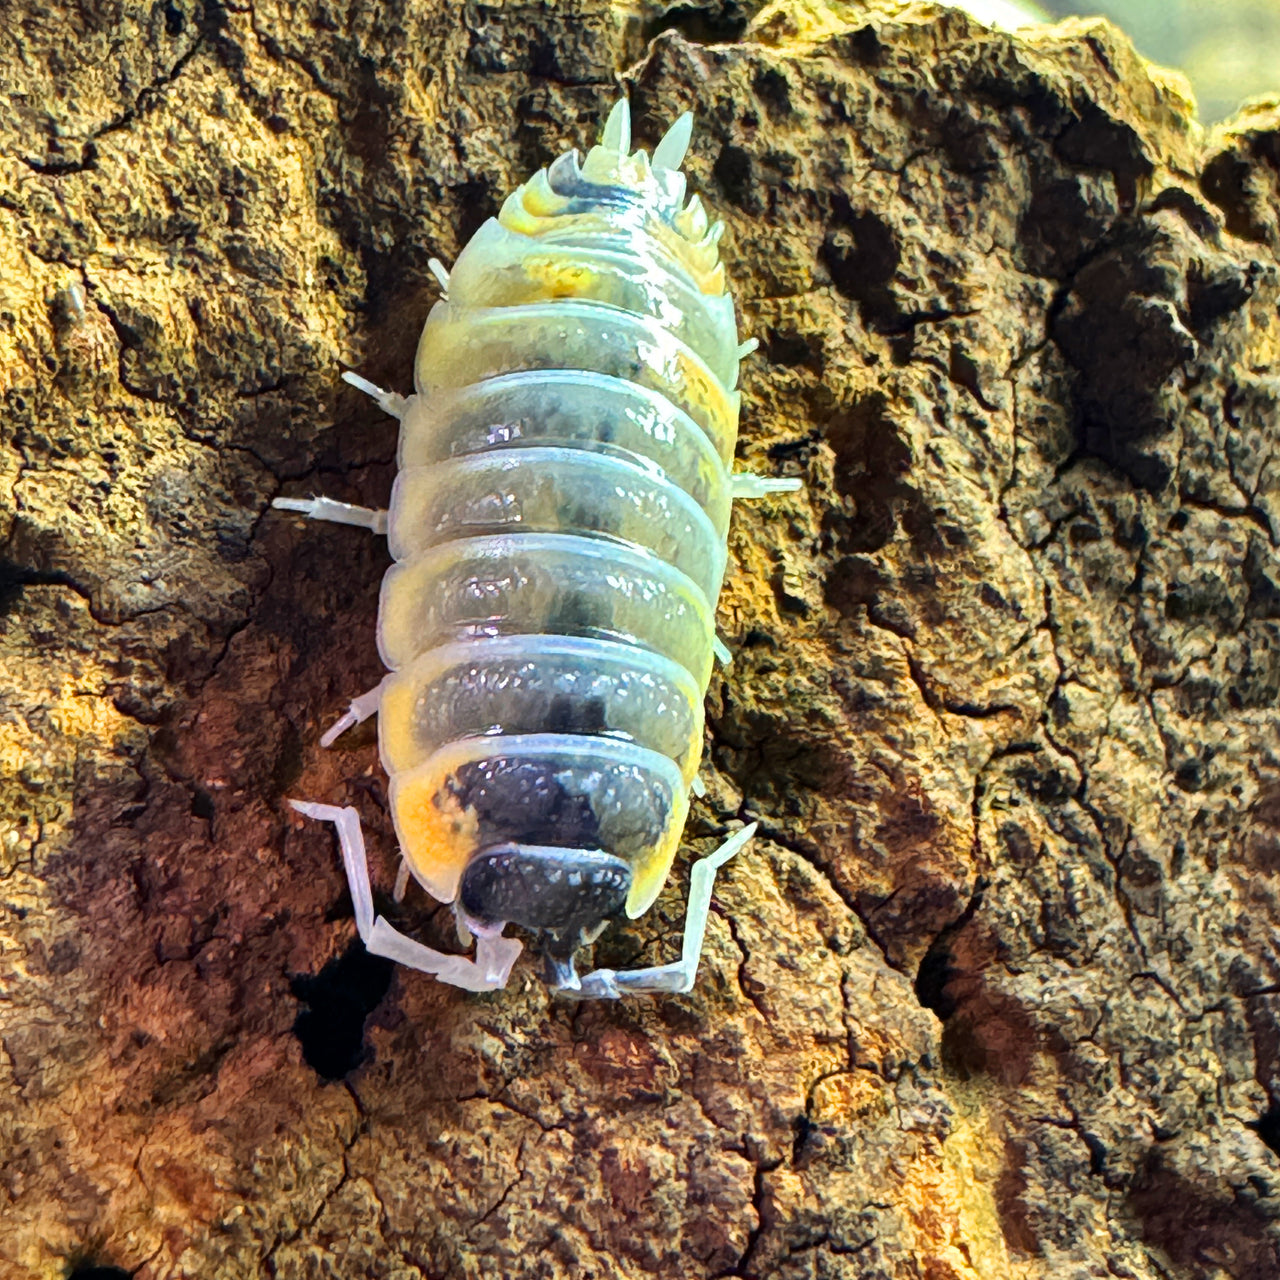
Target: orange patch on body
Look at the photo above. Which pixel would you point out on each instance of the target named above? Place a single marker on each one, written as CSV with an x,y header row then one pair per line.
x,y
437,835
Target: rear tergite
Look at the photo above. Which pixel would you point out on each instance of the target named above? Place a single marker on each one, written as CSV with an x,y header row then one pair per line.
x,y
559,526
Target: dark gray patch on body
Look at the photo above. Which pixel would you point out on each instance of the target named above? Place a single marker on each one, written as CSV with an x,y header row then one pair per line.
x,y
523,801
590,803
557,889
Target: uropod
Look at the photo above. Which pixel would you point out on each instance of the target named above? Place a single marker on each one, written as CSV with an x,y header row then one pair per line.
x,y
559,525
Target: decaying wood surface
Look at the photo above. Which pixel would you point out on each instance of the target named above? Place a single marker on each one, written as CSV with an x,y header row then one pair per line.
x,y
996,994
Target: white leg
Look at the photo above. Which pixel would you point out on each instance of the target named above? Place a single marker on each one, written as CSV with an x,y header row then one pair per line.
x,y
441,273
747,348
388,401
335,512
678,977
721,650
402,885
747,486
494,955
344,512
358,712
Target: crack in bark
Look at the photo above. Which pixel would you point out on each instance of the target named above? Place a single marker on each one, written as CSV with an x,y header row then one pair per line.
x,y
743,984
1251,512
148,98
358,1130
775,835
506,1191
759,1193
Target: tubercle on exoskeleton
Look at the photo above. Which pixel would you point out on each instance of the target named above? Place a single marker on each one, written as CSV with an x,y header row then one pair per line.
x,y
553,196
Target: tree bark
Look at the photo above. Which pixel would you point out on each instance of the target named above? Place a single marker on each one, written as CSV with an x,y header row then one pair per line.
x,y
993,994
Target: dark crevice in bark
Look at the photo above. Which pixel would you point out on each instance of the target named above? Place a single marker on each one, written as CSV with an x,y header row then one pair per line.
x,y
339,1000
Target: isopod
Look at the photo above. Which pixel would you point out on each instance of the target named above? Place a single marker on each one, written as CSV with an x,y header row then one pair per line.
x,y
558,525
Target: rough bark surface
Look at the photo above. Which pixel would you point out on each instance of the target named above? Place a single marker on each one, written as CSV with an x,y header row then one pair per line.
x,y
995,994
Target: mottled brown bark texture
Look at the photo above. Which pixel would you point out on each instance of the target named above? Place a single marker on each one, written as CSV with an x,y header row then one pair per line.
x,y
994,994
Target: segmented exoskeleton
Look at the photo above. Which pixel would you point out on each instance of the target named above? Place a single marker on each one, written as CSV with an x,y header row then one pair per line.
x,y
559,528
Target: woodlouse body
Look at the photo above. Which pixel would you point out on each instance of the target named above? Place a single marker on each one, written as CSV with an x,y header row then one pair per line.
x,y
559,527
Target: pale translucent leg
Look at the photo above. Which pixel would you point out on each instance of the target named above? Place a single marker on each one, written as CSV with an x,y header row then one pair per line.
x,y
677,977
402,884
441,273
344,512
388,401
494,955
747,486
465,936
336,512
721,651
358,712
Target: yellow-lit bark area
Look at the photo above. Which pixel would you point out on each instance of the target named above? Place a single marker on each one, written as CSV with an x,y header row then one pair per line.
x,y
994,991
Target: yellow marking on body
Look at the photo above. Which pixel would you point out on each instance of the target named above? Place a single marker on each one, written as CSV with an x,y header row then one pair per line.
x,y
649,871
559,277
708,400
515,217
539,198
437,835
397,742
711,281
